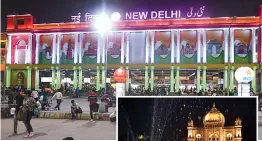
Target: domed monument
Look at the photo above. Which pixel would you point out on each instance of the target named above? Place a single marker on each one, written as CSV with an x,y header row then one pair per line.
x,y
214,129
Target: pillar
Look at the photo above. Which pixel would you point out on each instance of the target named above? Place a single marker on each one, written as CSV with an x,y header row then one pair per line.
x,y
204,78
254,46
177,78
103,77
29,50
198,46
232,47
97,78
152,79
75,77
58,79
29,78
127,81
53,77
225,85
54,51
178,47
146,78
172,79
8,77
232,78
254,84
80,77
36,78
198,78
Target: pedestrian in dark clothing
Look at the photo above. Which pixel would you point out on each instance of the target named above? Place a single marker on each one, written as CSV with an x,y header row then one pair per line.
x,y
92,98
28,108
19,98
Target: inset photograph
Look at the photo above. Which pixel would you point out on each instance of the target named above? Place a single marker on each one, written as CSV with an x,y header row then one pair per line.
x,y
187,119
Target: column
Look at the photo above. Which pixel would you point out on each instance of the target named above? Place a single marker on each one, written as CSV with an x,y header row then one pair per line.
x,y
146,78
127,81
232,49
127,47
53,77
80,77
178,47
80,48
232,78
103,77
226,51
147,47
8,77
37,49
152,79
58,50
54,51
204,47
58,79
225,78
122,48
198,78
177,78
172,47
99,44
29,50
36,78
9,49
204,83
76,48
75,77
254,84
97,78
29,78
172,79
152,49
198,46
254,51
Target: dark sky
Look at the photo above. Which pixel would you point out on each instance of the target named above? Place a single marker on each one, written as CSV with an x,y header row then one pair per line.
x,y
51,11
177,112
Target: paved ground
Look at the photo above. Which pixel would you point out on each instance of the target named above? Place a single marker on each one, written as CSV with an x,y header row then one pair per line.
x,y
46,129
259,132
83,103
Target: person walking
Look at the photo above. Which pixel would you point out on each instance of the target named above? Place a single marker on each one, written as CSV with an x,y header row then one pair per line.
x,y
35,95
59,97
92,98
19,98
28,108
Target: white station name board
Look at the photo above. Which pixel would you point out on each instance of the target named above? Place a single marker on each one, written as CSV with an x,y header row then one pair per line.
x,y
147,15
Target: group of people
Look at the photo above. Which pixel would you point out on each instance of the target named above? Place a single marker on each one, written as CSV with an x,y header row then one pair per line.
x,y
27,102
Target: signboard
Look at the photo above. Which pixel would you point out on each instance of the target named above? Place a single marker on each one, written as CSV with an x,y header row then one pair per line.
x,y
193,12
243,89
244,74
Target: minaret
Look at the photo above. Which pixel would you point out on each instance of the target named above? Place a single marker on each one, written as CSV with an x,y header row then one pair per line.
x,y
238,127
190,126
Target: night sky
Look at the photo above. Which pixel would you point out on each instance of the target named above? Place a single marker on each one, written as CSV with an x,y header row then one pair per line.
x,y
53,11
171,115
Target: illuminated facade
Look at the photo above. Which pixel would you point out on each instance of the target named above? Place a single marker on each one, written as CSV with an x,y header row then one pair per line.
x,y
3,59
174,53
214,129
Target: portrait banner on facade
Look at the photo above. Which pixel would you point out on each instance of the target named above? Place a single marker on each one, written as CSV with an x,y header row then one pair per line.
x,y
188,49
215,46
114,48
89,48
67,49
45,49
243,46
162,47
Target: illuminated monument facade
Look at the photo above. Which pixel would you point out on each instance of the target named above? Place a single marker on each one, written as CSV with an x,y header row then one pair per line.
x,y
214,129
186,51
